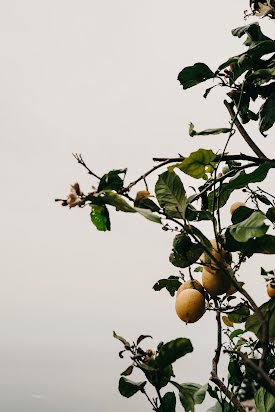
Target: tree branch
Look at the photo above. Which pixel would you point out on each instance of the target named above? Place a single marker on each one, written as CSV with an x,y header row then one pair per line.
x,y
242,131
265,380
225,158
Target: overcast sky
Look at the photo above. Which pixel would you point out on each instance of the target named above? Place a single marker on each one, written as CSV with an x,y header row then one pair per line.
x,y
98,78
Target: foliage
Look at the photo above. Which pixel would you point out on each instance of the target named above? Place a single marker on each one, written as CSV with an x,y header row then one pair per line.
x,y
248,339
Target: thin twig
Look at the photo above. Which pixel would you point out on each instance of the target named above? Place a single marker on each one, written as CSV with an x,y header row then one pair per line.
x,y
80,160
243,132
154,407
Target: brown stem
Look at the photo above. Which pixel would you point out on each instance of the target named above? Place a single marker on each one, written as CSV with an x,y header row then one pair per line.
x,y
265,380
242,131
214,378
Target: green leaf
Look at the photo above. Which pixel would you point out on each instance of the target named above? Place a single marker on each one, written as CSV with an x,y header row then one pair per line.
x,y
238,182
207,132
186,399
171,285
239,315
112,198
168,403
172,351
253,32
158,377
170,194
120,338
197,215
235,373
186,258
100,217
111,180
127,371
146,203
265,401
241,213
197,391
261,75
197,163
128,388
236,333
267,113
148,214
253,324
192,75
251,227
270,214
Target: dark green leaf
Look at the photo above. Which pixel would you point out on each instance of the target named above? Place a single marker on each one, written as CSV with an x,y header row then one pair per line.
x,y
251,227
270,214
128,388
265,401
192,75
186,258
168,403
197,215
111,180
170,194
239,315
241,213
171,285
207,91
235,373
267,113
212,392
264,244
253,32
124,341
146,203
181,243
238,182
199,269
127,371
236,333
142,337
172,351
207,132
263,199
198,163
196,391
254,325
260,76
186,398
158,377
100,217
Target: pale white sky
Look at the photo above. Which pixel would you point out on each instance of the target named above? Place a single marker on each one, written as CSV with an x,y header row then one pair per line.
x,y
97,78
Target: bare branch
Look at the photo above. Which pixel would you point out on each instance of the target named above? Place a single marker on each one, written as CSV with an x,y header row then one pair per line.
x,y
80,160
